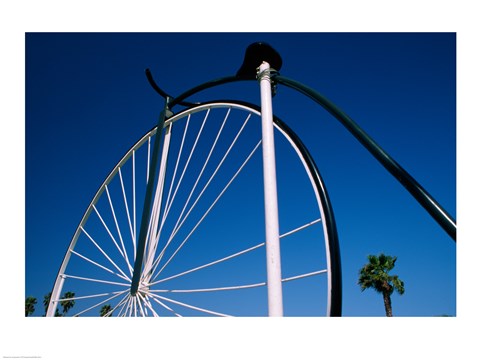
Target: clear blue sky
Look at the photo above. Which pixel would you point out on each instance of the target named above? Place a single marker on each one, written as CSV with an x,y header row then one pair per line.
x,y
87,102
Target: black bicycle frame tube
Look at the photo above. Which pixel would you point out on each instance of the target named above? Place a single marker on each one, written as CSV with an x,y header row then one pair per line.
x,y
179,99
415,189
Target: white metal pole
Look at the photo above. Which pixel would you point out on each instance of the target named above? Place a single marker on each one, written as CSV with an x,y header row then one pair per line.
x,y
274,273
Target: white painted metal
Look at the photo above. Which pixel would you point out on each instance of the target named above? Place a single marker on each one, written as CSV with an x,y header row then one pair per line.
x,y
126,202
154,238
211,207
92,296
274,271
179,155
177,226
166,307
66,276
141,306
109,232
324,224
103,252
181,220
209,264
123,304
97,264
124,251
100,303
134,206
192,150
238,287
313,273
189,306
148,158
232,256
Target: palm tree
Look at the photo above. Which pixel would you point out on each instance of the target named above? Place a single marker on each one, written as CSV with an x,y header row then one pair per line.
x,y
375,275
46,301
105,311
30,303
67,304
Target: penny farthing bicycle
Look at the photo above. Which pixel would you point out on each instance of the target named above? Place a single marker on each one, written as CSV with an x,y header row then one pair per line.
x,y
191,220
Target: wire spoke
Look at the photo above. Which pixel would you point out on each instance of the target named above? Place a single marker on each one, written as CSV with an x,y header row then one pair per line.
x,y
203,169
229,257
131,306
190,306
126,300
192,150
122,302
134,196
126,202
209,264
100,303
89,296
138,307
313,273
179,224
96,264
124,252
165,306
146,301
103,252
303,227
167,202
149,154
142,312
109,232
211,206
94,280
108,314
239,287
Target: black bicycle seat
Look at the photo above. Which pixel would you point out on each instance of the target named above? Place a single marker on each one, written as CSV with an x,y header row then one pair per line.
x,y
255,54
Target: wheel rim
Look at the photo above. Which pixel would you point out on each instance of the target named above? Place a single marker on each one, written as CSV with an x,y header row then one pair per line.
x,y
211,197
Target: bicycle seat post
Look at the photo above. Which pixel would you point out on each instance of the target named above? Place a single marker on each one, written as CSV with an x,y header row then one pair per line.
x,y
274,273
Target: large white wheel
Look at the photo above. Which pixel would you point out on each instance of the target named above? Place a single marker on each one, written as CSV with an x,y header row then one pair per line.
x,y
205,252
